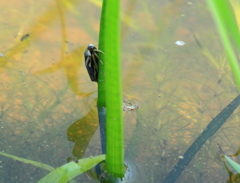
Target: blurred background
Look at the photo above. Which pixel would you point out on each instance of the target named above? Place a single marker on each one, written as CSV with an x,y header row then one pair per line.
x,y
173,67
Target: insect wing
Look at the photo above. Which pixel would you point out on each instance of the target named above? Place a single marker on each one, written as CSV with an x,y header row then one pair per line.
x,y
91,61
91,66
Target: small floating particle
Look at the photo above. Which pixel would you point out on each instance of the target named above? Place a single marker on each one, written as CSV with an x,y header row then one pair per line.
x,y
68,42
24,37
180,157
180,43
129,106
22,72
26,51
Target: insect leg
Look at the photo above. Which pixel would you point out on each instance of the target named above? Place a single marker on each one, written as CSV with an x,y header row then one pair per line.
x,y
99,51
94,59
96,55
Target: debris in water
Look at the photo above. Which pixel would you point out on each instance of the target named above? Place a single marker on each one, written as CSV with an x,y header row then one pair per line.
x,y
128,106
180,43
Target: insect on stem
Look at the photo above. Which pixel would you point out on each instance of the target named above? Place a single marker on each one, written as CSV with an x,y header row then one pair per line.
x,y
91,61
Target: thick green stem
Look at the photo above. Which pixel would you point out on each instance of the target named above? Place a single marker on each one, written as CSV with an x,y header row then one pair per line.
x,y
110,85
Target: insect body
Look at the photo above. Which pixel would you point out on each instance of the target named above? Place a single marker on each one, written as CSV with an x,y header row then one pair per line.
x,y
91,61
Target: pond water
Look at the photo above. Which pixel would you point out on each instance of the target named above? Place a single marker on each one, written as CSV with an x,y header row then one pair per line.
x,y
173,66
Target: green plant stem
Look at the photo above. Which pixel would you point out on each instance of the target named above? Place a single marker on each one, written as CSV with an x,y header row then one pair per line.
x,y
110,86
227,26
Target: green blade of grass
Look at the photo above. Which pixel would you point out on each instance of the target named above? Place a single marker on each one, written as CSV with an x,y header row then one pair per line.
x,y
64,173
226,23
110,86
70,170
233,164
35,163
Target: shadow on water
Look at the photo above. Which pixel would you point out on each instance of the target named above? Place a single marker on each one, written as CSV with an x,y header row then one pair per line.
x,y
81,132
210,130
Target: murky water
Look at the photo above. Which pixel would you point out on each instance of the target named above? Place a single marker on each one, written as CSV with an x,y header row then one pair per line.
x,y
174,68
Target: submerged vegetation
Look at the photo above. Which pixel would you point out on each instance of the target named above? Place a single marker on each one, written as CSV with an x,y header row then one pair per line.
x,y
177,89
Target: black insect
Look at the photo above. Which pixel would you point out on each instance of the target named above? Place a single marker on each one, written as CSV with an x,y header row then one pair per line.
x,y
91,61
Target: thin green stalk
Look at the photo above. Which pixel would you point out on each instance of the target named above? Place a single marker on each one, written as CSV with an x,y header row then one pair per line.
x,y
227,26
110,85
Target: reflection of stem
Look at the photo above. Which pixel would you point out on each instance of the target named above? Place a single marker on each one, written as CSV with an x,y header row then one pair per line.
x,y
127,21
136,138
63,25
209,131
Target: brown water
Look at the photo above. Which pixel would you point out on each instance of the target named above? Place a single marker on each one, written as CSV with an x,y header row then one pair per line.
x,y
44,86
